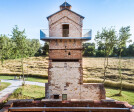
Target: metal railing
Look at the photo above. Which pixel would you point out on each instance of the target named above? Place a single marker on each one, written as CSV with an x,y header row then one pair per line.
x,y
100,109
85,33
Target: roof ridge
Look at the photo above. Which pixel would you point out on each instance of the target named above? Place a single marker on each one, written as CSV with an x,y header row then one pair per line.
x,y
68,10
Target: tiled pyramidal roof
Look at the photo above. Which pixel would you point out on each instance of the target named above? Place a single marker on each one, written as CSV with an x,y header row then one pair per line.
x,y
65,4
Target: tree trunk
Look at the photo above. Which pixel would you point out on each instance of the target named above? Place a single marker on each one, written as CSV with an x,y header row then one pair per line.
x,y
104,70
120,93
105,67
22,71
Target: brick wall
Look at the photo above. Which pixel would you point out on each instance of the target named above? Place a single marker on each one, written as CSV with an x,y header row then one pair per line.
x,y
65,78
65,54
65,16
65,44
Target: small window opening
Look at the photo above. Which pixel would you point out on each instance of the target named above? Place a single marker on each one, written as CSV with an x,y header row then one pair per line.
x,y
56,96
74,42
64,96
65,65
56,43
65,30
65,43
69,53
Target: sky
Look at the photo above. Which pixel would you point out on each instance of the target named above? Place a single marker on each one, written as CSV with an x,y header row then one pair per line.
x,y
31,15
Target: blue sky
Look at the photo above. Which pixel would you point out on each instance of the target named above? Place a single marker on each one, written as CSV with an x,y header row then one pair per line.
x,y
31,14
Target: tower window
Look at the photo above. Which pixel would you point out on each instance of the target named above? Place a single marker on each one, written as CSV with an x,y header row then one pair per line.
x,y
56,96
65,30
64,96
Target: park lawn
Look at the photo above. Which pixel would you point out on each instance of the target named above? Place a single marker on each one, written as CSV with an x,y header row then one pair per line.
x,y
28,92
4,85
25,92
6,77
33,79
38,92
127,96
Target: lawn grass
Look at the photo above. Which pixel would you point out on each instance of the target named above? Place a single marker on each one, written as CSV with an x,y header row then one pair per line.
x,y
3,85
28,92
6,77
33,79
37,92
127,96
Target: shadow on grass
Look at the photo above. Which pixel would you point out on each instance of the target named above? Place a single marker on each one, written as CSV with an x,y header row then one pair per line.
x,y
119,95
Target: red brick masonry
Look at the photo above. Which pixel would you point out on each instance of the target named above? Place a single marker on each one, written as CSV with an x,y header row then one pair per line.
x,y
73,103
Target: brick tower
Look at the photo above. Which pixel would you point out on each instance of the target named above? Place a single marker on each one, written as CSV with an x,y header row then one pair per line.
x,y
65,73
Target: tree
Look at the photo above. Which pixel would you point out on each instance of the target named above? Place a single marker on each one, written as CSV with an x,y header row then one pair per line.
x,y
89,49
131,50
124,35
33,46
45,48
108,38
100,52
4,48
21,46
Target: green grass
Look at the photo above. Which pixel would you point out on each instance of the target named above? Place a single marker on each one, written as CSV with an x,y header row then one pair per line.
x,y
127,96
4,85
33,79
38,92
6,77
28,92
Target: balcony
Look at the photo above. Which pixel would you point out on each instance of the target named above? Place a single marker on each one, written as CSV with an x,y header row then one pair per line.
x,y
44,35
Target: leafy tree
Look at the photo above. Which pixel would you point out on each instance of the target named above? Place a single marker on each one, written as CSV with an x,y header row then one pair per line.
x,y
131,50
45,48
89,49
108,38
33,46
4,48
21,46
100,52
124,35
